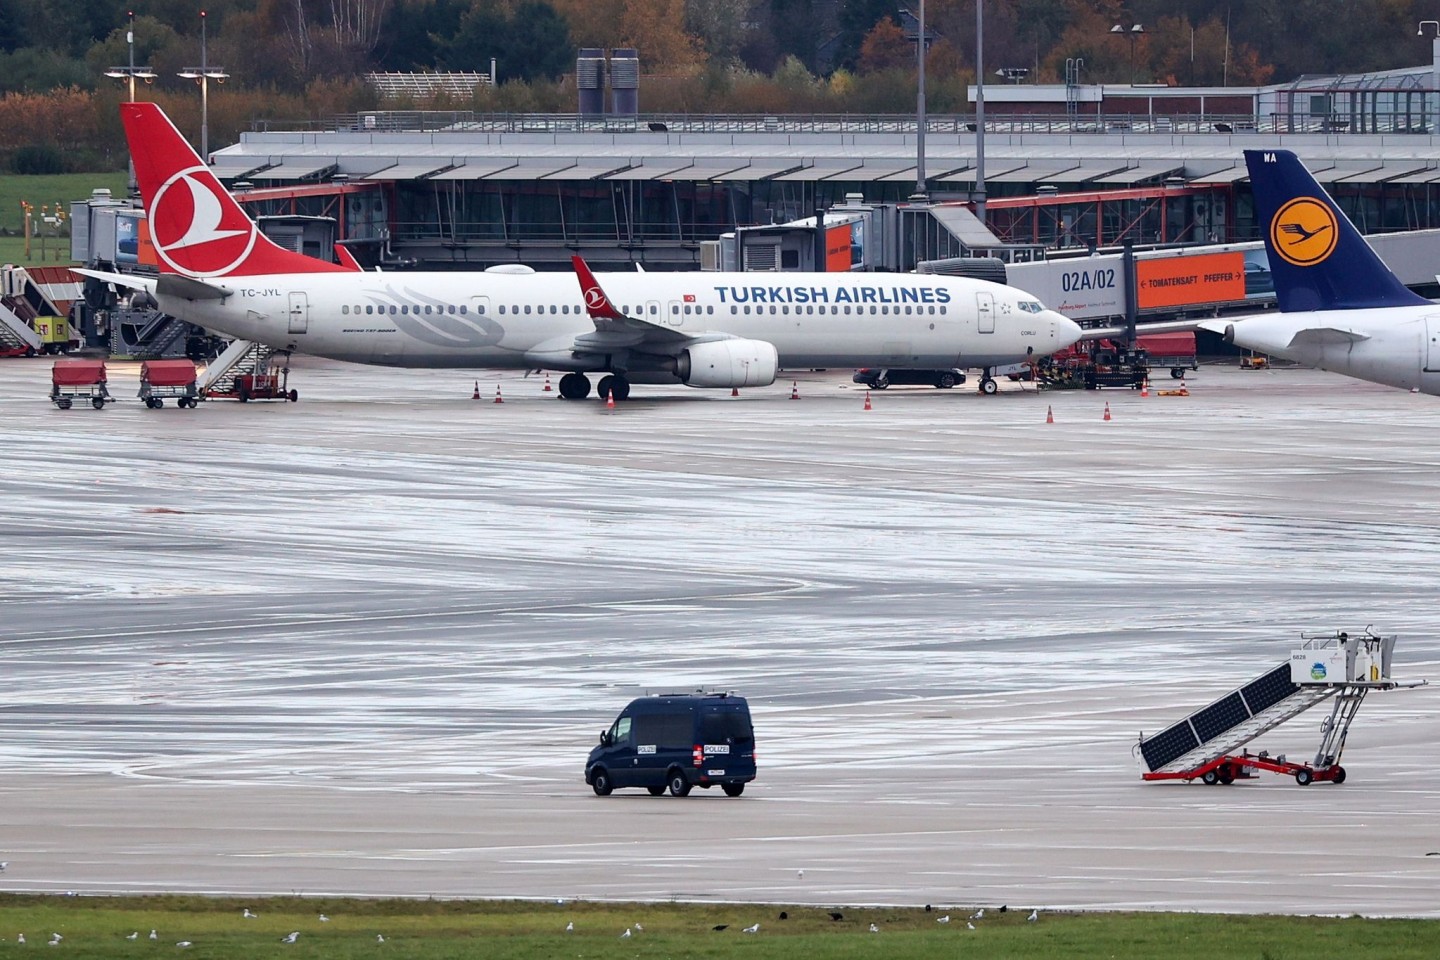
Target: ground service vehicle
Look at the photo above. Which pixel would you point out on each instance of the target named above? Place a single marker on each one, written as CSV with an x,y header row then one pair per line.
x,y
676,742
878,378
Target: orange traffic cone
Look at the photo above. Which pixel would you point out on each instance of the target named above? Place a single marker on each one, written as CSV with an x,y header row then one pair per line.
x,y
498,398
734,391
1049,414
476,394
547,384
610,400
1184,390
1107,411
794,389
867,399
1145,387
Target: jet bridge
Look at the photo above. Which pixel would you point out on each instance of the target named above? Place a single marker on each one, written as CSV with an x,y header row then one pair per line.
x,y
1337,665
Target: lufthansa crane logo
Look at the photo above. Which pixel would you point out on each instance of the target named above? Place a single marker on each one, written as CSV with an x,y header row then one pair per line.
x,y
194,231
1304,231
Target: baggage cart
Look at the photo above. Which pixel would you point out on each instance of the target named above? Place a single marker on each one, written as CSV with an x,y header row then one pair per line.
x,y
72,380
160,379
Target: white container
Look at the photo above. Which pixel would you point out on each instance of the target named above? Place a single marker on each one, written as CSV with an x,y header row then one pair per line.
x,y
1326,665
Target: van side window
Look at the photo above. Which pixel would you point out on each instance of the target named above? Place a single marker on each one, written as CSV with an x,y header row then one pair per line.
x,y
664,730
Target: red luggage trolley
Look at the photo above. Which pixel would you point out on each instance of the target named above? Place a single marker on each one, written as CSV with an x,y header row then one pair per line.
x,y
168,378
72,380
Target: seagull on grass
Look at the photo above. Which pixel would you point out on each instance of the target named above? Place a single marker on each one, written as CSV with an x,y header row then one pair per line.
x,y
290,937
1034,915
570,927
754,929
944,919
153,934
639,929
978,914
379,938
969,925
248,915
874,929
134,936
324,919
20,939
183,943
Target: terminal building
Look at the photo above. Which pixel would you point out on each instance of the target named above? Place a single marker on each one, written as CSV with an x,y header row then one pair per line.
x,y
1066,166
1068,169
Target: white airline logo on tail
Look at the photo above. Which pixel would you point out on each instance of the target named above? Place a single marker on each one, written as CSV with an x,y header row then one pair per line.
x,y
189,220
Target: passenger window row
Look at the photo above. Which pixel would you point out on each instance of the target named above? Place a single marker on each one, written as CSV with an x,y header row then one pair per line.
x,y
371,309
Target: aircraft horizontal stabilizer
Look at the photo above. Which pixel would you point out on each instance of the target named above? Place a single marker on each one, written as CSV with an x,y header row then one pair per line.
x,y
1326,337
1163,326
186,288
126,280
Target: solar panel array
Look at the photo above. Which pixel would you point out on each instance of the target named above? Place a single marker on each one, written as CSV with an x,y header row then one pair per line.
x,y
421,86
1224,714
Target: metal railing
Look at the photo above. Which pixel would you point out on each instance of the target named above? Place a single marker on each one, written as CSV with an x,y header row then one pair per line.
x,y
462,121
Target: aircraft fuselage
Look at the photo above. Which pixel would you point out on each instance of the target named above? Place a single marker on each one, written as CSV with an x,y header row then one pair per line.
x,y
533,320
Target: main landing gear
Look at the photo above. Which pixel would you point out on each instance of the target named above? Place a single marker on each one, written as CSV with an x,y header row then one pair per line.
x,y
613,384
576,386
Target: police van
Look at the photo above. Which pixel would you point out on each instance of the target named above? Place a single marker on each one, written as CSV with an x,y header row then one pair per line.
x,y
676,742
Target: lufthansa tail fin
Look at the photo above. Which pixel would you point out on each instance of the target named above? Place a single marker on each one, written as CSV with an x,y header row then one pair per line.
x,y
197,228
1317,257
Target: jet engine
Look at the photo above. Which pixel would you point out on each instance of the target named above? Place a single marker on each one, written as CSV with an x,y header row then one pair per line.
x,y
728,363
1229,335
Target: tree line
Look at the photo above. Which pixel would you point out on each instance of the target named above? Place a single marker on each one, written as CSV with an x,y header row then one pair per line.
x,y
297,59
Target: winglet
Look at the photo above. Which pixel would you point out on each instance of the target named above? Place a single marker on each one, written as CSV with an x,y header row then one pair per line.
x,y
346,258
596,303
1317,257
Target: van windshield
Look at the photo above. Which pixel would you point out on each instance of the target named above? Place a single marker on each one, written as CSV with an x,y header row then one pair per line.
x,y
726,726
620,732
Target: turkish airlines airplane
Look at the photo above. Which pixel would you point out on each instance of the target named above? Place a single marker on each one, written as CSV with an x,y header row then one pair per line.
x,y
1341,308
723,330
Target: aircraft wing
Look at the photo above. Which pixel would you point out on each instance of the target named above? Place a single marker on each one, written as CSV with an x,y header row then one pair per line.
x,y
615,330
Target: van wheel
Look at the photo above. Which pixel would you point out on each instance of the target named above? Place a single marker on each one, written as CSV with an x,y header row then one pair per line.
x,y
679,783
655,791
733,789
600,783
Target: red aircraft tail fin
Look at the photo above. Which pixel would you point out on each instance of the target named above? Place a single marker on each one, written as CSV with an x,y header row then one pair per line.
x,y
197,227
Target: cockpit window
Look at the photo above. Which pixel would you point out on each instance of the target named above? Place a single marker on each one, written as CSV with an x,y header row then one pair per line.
x,y
1032,306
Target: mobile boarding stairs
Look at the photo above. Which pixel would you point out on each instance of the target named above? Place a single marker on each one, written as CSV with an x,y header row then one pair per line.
x,y
1335,666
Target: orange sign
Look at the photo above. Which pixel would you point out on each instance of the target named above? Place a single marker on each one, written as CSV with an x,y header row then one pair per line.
x,y
837,249
147,246
1178,281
